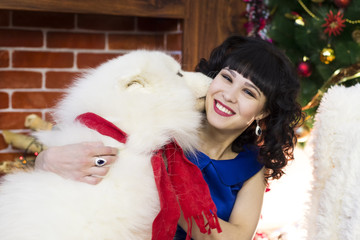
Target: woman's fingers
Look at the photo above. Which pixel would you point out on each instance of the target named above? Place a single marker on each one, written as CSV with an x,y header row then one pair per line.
x,y
90,180
77,161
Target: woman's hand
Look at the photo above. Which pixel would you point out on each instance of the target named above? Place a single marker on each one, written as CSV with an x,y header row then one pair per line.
x,y
76,161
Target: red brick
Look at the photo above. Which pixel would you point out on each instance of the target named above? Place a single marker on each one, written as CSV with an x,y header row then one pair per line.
x,y
20,79
34,100
174,42
9,156
75,40
37,59
131,42
20,38
60,79
14,120
91,60
157,24
4,58
4,100
106,22
43,19
4,18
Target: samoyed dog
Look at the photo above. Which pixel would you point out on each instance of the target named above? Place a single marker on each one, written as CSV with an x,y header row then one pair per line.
x,y
146,95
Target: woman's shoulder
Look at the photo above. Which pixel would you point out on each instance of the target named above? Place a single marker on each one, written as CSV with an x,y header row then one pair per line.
x,y
241,168
232,171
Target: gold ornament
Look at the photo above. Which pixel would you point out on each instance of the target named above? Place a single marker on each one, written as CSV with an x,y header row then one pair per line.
x,y
299,21
356,35
327,55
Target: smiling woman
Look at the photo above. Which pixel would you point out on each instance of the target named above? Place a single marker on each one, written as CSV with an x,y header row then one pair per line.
x,y
248,136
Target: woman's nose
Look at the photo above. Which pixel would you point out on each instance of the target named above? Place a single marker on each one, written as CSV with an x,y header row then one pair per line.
x,y
230,95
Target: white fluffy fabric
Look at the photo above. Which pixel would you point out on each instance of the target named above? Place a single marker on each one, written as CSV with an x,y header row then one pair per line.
x,y
145,94
335,206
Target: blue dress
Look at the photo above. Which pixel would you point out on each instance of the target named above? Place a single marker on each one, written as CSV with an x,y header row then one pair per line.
x,y
225,178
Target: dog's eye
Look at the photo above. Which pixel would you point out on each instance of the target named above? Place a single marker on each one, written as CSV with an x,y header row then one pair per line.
x,y
179,74
135,83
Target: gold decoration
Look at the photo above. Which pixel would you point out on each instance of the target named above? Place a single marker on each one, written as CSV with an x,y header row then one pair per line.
x,y
356,35
339,76
34,122
297,18
327,55
307,10
352,21
22,141
299,21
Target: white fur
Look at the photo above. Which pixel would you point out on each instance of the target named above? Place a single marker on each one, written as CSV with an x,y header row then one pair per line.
x,y
335,206
142,94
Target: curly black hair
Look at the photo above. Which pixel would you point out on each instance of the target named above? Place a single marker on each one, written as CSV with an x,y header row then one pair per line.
x,y
274,74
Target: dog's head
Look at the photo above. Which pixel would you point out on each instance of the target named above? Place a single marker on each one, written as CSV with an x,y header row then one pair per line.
x,y
145,93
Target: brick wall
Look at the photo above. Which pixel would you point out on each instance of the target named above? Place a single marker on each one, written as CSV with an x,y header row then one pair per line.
x,y
41,52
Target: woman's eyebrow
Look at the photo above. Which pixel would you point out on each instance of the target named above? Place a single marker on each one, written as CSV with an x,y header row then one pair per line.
x,y
254,87
232,72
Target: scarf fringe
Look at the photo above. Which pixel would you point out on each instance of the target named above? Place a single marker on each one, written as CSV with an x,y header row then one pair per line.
x,y
189,224
212,223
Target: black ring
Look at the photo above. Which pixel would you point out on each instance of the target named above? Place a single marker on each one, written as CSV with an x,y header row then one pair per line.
x,y
99,162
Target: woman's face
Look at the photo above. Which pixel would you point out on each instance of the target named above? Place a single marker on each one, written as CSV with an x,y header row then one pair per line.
x,y
233,102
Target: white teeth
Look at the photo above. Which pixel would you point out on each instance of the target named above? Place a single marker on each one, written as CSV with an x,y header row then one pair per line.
x,y
223,109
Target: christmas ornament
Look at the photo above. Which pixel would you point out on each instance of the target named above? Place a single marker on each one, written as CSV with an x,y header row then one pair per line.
x,y
334,23
299,20
342,3
302,133
327,55
356,35
304,68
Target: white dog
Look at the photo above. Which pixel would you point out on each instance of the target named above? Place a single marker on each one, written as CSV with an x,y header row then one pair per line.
x,y
152,100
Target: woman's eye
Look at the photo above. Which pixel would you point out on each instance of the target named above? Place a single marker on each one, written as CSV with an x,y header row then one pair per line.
x,y
227,77
250,93
180,74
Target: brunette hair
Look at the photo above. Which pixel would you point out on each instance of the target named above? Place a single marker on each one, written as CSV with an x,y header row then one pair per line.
x,y
273,73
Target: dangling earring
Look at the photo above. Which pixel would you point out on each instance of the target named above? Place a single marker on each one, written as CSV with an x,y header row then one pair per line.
x,y
258,130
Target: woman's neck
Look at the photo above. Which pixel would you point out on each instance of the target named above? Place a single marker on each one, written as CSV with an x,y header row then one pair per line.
x,y
216,144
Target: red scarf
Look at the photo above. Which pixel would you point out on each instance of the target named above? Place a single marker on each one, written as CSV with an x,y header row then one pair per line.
x,y
182,184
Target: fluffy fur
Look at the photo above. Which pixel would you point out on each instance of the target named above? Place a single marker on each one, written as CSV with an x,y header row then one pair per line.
x,y
335,206
149,97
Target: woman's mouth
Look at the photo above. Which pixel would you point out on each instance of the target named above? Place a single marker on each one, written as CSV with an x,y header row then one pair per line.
x,y
222,110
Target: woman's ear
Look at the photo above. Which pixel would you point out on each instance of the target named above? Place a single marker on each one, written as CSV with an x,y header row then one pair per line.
x,y
263,115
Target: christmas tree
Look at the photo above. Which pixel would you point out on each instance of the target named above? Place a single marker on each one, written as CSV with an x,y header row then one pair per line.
x,y
322,38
